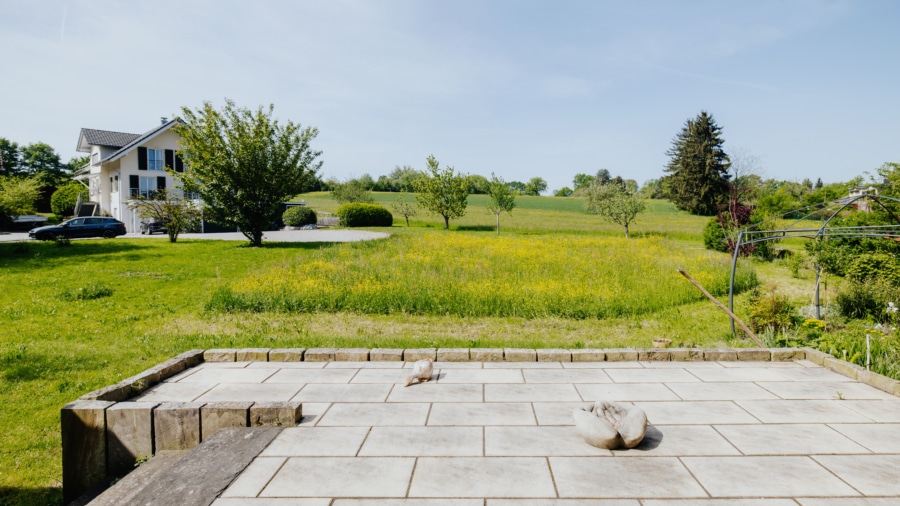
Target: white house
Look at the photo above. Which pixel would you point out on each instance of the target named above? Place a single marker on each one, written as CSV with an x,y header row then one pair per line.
x,y
126,165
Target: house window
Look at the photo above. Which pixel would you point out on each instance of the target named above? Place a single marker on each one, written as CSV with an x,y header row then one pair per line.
x,y
115,187
148,186
155,160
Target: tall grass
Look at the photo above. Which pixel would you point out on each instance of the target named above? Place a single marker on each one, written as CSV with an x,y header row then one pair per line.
x,y
438,273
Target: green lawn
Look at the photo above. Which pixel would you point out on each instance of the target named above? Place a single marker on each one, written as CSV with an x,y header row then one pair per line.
x,y
58,342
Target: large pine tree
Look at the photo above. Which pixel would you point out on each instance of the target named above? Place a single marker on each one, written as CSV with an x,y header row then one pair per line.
x,y
698,167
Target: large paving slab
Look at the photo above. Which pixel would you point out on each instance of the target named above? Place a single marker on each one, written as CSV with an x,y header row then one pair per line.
x,y
502,434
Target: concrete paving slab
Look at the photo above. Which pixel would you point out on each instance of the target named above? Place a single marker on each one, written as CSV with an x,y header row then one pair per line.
x,y
562,502
719,502
678,441
557,413
596,365
694,412
825,390
788,439
803,411
626,392
482,414
677,364
324,392
318,442
739,374
481,376
390,376
848,501
365,365
175,392
749,476
250,392
375,414
424,442
537,441
255,477
643,375
815,373
524,365
341,477
567,376
433,392
244,375
482,477
640,477
886,411
271,501
287,365
720,391
530,393
408,502
870,474
877,438
312,411
312,376
449,365
765,365
181,375
224,365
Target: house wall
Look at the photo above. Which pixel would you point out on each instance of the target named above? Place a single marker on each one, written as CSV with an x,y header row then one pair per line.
x,y
128,166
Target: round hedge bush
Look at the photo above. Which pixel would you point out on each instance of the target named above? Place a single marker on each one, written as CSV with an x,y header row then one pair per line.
x,y
63,200
357,214
297,216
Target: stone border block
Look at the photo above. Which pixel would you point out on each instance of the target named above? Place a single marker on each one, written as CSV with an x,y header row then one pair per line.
x,y
386,355
416,354
220,355
252,355
114,393
554,355
83,430
191,357
787,354
129,435
878,381
452,355
839,366
815,356
754,355
287,355
519,355
352,355
621,355
275,414
720,355
486,354
319,355
176,425
223,415
142,381
654,355
588,355
686,354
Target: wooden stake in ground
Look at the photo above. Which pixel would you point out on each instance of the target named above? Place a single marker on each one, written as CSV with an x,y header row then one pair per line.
x,y
723,308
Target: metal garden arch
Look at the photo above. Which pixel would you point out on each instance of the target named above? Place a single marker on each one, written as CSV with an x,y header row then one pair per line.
x,y
825,211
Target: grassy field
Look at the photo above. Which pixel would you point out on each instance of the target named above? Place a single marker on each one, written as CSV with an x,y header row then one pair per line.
x,y
81,317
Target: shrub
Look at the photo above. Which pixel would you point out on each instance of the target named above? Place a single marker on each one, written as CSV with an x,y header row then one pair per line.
x,y
714,237
771,309
874,266
867,300
364,215
63,200
297,216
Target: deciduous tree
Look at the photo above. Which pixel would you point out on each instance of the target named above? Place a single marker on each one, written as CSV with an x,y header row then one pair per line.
x,y
444,192
404,207
503,199
169,207
244,163
614,203
9,158
17,197
698,167
535,186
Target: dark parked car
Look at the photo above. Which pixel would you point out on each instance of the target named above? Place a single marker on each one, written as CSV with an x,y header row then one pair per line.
x,y
152,225
91,226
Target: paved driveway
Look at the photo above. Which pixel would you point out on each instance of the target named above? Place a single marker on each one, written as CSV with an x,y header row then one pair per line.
x,y
320,235
722,433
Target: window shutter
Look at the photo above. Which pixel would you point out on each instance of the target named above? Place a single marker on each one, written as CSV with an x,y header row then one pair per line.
x,y
170,158
179,163
161,182
134,185
142,158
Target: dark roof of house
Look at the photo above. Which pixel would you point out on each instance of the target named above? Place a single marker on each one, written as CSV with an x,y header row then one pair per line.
x,y
107,138
138,139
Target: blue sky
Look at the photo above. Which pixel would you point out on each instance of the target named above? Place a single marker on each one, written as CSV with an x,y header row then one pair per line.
x,y
518,88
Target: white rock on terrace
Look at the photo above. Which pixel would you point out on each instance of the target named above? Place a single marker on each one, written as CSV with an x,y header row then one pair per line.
x,y
609,425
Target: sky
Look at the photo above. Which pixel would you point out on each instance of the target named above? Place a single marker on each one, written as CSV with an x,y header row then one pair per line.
x,y
517,88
